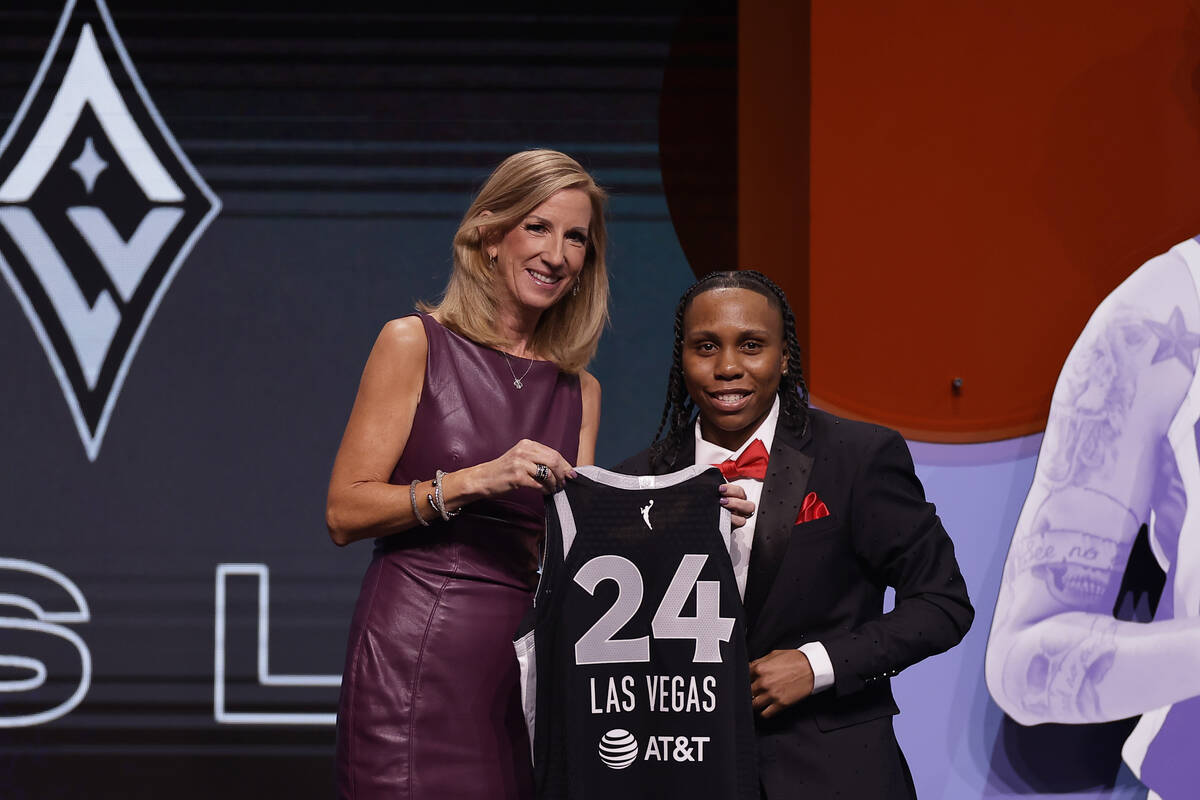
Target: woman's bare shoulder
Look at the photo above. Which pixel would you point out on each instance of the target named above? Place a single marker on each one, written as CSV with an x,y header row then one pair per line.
x,y
588,383
403,337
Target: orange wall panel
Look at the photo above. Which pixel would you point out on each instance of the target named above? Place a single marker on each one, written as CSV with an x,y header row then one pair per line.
x,y
979,177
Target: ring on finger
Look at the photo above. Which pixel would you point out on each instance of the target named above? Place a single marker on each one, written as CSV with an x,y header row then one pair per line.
x,y
542,473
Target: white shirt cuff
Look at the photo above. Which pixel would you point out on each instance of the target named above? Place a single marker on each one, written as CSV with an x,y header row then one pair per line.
x,y
822,667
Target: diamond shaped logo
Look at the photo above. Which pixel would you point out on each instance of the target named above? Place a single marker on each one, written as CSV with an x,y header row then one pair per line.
x,y
99,208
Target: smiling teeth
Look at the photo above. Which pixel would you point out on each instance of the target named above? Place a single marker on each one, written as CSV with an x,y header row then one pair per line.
x,y
730,398
543,279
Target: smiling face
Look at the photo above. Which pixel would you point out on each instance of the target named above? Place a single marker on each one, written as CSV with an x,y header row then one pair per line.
x,y
538,261
733,357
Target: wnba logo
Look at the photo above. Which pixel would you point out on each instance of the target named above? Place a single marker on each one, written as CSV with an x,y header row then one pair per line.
x,y
618,749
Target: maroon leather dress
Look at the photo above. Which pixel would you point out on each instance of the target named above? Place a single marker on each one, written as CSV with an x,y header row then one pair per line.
x,y
430,705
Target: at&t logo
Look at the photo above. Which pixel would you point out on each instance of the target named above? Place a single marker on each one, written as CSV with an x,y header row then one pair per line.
x,y
618,749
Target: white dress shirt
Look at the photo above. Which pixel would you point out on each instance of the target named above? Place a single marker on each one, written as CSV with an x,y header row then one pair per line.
x,y
741,539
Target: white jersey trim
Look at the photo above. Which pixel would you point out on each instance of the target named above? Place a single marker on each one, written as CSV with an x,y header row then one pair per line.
x,y
527,661
619,480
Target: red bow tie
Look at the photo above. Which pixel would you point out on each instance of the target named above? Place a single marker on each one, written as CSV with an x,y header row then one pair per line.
x,y
752,463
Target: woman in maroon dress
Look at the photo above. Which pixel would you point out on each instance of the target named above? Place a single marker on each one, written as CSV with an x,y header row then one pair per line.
x,y
464,417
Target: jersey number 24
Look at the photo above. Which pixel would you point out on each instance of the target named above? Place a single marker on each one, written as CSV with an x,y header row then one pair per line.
x,y
707,628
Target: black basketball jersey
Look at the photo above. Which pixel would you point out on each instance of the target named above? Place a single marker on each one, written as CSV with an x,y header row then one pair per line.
x,y
634,670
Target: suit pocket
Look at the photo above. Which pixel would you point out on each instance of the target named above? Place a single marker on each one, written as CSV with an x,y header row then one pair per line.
x,y
820,533
816,529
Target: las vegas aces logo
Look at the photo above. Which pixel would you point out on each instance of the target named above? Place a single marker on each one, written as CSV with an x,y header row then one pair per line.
x,y
98,210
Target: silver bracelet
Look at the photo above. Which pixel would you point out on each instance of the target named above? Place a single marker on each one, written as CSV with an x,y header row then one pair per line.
x,y
439,502
412,496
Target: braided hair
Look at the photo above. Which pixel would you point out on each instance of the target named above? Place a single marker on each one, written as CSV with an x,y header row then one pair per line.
x,y
678,410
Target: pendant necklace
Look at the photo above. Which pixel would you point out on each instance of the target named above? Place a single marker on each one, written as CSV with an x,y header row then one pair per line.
x,y
517,382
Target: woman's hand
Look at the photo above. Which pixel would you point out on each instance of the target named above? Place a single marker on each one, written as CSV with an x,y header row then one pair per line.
x,y
518,469
733,497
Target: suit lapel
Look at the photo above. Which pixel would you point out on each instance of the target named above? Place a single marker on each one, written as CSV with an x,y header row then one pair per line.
x,y
783,493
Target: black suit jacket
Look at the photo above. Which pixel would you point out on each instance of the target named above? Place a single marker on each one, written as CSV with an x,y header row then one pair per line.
x,y
824,580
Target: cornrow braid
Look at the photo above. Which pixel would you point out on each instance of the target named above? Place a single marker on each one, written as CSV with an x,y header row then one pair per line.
x,y
678,410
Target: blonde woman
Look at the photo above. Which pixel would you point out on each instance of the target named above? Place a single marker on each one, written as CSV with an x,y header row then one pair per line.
x,y
466,414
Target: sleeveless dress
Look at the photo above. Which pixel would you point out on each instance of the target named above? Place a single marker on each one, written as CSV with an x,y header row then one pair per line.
x,y
430,705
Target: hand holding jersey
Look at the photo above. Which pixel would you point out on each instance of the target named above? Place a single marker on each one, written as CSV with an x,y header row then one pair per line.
x,y
733,497
526,465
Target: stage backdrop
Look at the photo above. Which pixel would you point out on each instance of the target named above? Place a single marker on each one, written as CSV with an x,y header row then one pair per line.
x,y
207,211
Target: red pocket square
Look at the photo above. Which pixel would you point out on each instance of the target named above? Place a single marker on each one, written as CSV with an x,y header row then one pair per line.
x,y
811,509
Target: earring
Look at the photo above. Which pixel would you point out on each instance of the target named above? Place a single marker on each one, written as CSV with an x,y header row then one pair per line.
x,y
492,261
575,288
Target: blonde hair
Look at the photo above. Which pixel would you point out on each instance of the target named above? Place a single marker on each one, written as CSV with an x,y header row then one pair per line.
x,y
569,331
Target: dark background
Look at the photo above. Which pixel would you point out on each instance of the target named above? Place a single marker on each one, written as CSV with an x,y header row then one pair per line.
x,y
344,147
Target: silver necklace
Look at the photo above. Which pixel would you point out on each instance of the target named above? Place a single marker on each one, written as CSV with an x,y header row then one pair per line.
x,y
517,382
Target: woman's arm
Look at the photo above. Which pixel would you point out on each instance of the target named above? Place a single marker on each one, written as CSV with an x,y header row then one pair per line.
x,y
1055,652
361,503
590,388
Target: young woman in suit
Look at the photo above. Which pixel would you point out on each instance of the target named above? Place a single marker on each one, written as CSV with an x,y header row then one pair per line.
x,y
839,515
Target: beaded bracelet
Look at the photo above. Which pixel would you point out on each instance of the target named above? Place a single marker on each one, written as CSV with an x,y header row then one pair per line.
x,y
437,501
412,496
